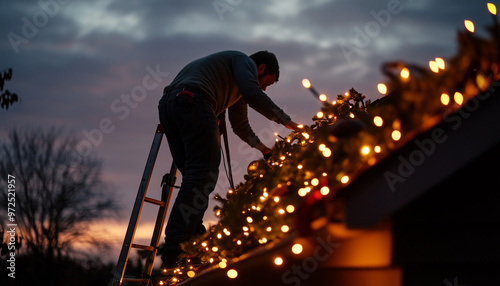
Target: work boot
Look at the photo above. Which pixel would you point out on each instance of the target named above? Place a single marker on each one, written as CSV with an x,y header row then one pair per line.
x,y
170,257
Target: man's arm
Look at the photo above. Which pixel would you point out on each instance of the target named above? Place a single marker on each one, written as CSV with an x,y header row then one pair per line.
x,y
245,76
238,117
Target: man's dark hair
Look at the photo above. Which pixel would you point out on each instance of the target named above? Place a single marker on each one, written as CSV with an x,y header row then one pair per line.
x,y
270,60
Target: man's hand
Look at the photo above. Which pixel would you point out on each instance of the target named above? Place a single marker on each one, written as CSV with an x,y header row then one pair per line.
x,y
294,126
263,148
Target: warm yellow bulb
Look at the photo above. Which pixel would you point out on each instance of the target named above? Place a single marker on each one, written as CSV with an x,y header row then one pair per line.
x,y
249,219
440,63
300,167
445,99
231,273
378,121
324,190
322,97
306,83
377,149
320,114
281,211
492,8
396,135
290,208
285,228
215,249
382,88
315,182
405,73
278,261
191,273
302,192
469,26
327,152
365,150
344,179
433,66
297,248
459,98
268,229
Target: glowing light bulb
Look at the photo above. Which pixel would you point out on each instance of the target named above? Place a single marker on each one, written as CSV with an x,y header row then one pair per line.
x,y
327,152
297,248
306,83
321,147
320,115
285,228
440,63
459,98
433,66
469,26
344,179
325,190
396,135
276,199
281,211
365,150
302,192
215,249
315,182
249,219
405,73
290,208
378,121
191,273
278,261
377,149
300,167
268,229
445,99
492,8
322,97
382,88
231,273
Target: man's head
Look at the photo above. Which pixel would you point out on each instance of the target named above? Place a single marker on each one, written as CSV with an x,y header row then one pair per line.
x,y
268,70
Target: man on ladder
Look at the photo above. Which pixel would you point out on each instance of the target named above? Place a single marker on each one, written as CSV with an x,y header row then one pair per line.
x,y
188,112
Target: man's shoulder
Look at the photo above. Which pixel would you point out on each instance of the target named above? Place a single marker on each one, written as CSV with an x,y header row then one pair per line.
x,y
229,54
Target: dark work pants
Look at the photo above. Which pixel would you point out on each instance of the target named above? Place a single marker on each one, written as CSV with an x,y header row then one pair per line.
x,y
192,132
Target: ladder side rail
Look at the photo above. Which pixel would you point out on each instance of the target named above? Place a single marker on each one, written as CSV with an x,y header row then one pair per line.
x,y
166,194
136,211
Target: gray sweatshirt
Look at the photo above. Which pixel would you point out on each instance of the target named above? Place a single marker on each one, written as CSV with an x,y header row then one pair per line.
x,y
229,79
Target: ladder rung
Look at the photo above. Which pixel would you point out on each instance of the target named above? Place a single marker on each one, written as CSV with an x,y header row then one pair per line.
x,y
144,247
153,201
134,279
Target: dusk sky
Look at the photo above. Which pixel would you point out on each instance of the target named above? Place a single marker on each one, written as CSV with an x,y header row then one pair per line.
x,y
97,68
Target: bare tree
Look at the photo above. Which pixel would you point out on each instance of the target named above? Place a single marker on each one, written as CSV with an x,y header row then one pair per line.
x,y
56,200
